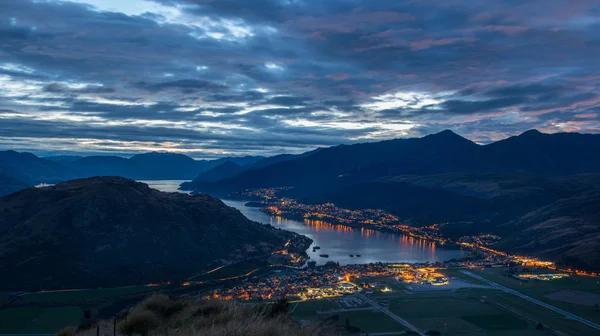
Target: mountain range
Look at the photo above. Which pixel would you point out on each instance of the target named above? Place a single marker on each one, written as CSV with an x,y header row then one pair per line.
x,y
511,187
111,231
25,169
445,152
521,188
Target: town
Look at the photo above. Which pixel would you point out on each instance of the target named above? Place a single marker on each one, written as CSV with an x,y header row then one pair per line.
x,y
380,220
334,280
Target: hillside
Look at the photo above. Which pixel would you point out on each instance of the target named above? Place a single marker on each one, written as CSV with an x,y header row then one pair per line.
x,y
567,230
183,316
336,167
9,185
31,169
556,218
111,231
225,170
147,166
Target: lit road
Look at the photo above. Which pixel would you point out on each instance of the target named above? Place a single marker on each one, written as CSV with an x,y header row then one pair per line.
x,y
390,314
538,302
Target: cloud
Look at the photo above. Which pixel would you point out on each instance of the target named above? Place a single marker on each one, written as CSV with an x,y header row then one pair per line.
x,y
62,88
184,85
276,76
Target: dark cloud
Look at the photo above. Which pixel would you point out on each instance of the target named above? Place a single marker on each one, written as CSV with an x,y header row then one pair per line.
x,y
185,85
270,76
61,88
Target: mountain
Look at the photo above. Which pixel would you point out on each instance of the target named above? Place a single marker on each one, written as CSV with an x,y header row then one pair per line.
x,y
224,170
63,159
105,166
333,168
9,185
330,168
166,166
31,169
239,160
147,166
566,230
111,231
546,154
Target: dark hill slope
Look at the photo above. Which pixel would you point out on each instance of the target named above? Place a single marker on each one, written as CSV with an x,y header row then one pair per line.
x,y
333,168
225,170
9,185
31,169
547,154
567,230
112,232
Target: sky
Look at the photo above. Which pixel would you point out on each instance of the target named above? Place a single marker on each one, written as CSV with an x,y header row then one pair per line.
x,y
214,78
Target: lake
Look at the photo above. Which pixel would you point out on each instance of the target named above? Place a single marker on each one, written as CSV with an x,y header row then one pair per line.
x,y
339,242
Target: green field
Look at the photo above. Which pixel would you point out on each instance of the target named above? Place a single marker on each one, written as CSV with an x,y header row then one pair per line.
x,y
462,314
4,296
539,290
308,309
370,321
83,295
33,320
496,322
367,320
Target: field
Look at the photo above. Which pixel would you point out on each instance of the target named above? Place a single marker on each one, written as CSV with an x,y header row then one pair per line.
x,y
459,314
370,321
79,296
4,296
366,319
545,290
234,270
466,311
33,320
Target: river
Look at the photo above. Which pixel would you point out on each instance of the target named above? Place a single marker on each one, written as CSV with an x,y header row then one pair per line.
x,y
339,242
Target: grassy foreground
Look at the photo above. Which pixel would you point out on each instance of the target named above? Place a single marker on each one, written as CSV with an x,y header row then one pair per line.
x,y
175,316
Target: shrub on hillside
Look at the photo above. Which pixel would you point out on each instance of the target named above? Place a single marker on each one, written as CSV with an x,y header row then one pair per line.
x,y
140,322
162,315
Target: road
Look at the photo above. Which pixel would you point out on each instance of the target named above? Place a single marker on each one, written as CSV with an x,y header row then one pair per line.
x,y
390,314
538,302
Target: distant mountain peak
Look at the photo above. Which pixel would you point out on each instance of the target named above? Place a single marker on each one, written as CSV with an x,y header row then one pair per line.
x,y
531,132
448,135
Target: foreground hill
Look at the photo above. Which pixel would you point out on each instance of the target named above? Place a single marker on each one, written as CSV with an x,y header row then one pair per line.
x,y
112,231
183,316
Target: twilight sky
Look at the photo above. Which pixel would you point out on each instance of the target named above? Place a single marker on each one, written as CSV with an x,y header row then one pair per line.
x,y
210,78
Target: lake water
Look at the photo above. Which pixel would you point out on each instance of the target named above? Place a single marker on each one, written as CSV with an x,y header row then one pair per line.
x,y
166,185
339,242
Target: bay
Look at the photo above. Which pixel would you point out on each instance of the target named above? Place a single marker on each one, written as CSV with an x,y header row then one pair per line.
x,y
339,242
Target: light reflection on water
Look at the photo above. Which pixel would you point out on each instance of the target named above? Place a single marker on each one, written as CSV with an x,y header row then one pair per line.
x,y
166,185
339,242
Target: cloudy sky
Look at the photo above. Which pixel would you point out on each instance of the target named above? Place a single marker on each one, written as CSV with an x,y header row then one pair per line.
x,y
227,77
